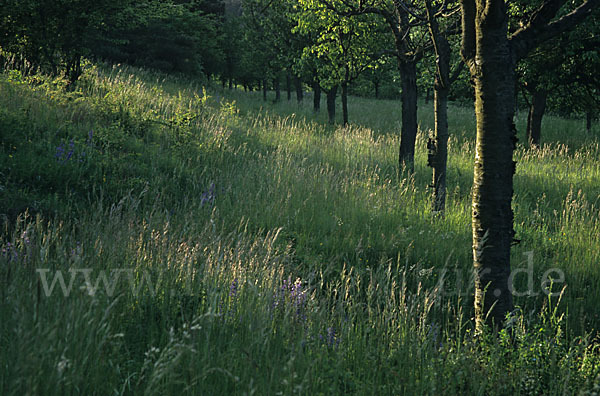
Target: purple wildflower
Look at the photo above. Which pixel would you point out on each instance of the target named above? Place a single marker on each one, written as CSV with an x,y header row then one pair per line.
x,y
71,148
233,289
279,297
298,299
60,152
331,338
209,196
62,155
10,252
228,307
25,237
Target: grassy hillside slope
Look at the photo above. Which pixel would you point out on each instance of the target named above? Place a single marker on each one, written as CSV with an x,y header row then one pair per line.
x,y
159,238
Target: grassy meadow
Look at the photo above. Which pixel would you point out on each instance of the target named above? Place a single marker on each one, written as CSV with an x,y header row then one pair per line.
x,y
159,238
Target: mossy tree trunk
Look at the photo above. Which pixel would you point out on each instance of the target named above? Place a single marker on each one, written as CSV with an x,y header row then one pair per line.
x,y
438,149
345,102
316,96
277,89
491,56
492,68
299,93
438,144
408,133
344,84
331,94
589,117
537,107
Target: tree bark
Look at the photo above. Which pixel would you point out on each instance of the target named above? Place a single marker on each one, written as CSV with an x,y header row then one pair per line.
x,y
492,69
535,115
491,56
438,150
299,93
288,85
438,146
73,71
277,89
316,97
331,94
345,102
408,134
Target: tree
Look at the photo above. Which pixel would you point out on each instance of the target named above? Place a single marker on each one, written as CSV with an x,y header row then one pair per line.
x,y
438,145
344,47
378,81
577,80
189,39
232,32
53,36
410,41
491,55
565,79
267,28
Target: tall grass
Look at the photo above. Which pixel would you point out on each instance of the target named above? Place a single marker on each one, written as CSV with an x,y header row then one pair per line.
x,y
254,250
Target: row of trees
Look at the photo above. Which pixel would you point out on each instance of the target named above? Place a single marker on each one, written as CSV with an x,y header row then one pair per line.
x,y
535,47
323,44
53,36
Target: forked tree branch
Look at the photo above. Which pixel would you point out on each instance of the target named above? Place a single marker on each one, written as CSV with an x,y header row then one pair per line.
x,y
467,48
540,28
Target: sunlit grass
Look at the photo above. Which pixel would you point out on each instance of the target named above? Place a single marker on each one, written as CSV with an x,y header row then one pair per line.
x,y
270,252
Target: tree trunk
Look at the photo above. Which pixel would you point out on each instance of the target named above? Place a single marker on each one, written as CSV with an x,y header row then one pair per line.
x,y
493,73
438,146
264,89
74,69
316,97
589,116
376,83
534,118
438,149
345,102
427,95
288,85
331,94
298,84
230,83
277,89
492,57
408,134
